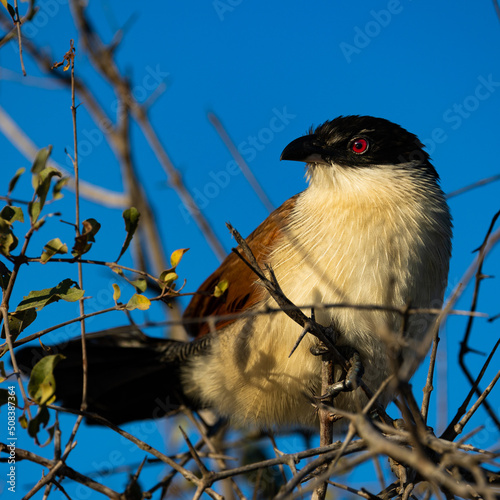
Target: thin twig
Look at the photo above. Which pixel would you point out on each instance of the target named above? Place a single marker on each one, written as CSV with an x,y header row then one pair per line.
x,y
325,417
17,20
450,432
71,59
428,388
497,8
458,428
470,187
64,470
247,172
4,308
139,443
464,344
426,342
102,58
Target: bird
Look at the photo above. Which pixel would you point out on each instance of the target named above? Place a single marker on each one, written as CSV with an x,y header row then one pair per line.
x,y
371,228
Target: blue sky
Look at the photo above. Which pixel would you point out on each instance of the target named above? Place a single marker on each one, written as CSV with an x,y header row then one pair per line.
x,y
269,71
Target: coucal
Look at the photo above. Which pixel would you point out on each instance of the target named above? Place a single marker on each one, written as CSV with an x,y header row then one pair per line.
x,y
372,228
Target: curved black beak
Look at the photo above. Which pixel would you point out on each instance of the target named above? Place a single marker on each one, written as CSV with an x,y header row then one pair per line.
x,y
307,148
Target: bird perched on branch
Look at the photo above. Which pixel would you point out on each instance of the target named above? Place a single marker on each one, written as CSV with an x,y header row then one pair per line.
x,y
372,228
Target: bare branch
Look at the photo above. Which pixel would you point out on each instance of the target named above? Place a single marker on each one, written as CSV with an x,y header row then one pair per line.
x,y
247,172
470,187
63,471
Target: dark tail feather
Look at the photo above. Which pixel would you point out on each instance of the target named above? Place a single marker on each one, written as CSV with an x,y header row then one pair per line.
x,y
130,376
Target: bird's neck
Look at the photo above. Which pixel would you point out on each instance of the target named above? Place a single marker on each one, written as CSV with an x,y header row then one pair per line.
x,y
352,230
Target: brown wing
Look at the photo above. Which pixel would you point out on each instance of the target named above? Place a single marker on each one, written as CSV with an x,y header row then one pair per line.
x,y
242,292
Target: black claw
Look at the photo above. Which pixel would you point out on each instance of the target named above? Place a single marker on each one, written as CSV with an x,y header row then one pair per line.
x,y
351,381
318,350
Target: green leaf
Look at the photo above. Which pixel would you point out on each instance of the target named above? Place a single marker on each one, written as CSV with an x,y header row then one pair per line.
x,y
41,419
42,384
117,270
19,320
4,276
38,224
23,421
176,256
13,181
220,288
131,217
52,248
137,301
3,375
167,278
58,186
39,163
41,179
8,240
34,209
83,243
117,293
11,214
139,284
4,397
41,298
44,180
50,431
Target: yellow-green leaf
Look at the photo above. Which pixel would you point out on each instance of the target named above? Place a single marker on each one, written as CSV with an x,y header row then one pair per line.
x,y
58,186
12,214
117,293
13,181
117,270
19,320
139,284
8,240
167,278
140,302
42,175
51,248
39,163
131,217
42,384
220,288
5,275
176,256
23,421
34,208
67,290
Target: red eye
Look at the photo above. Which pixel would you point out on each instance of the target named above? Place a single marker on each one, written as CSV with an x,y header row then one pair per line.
x,y
359,146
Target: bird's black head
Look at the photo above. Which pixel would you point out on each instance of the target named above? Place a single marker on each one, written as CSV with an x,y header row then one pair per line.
x,y
359,141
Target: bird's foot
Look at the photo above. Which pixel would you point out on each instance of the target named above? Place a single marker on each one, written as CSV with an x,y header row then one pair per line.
x,y
351,380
